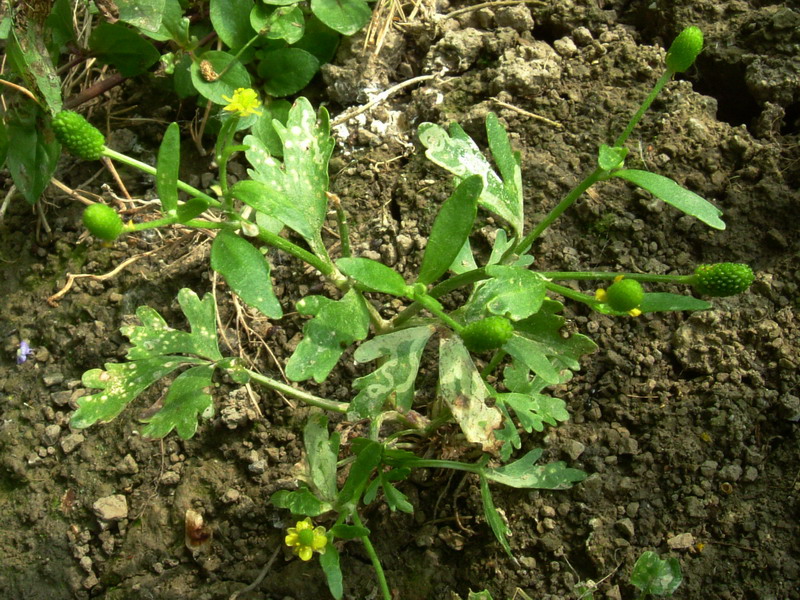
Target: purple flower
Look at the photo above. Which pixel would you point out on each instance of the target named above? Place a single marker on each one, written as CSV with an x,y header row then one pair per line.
x,y
23,352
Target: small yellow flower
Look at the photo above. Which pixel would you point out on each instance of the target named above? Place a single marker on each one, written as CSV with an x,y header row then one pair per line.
x,y
244,101
304,539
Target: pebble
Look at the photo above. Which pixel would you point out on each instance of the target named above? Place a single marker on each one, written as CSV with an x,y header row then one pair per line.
x,y
682,541
625,527
53,378
51,434
72,441
170,478
111,508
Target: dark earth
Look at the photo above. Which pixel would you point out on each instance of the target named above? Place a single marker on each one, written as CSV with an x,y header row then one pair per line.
x,y
686,424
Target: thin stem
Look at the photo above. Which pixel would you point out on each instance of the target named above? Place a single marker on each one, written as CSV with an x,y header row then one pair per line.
x,y
433,306
572,294
496,360
341,219
283,244
373,556
593,177
433,463
335,406
152,171
667,75
602,275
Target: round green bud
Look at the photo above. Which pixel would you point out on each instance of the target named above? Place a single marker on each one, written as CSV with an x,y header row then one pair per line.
x,y
487,334
722,279
77,135
102,221
624,295
684,49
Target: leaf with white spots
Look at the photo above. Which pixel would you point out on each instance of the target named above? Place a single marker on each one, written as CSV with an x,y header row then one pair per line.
x,y
465,393
455,151
155,338
399,354
513,292
295,188
188,397
121,383
337,324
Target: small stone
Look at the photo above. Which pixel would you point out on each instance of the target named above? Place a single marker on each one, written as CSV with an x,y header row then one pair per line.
x,y
574,449
565,47
708,468
51,434
750,474
86,564
61,398
128,466
53,378
258,467
72,441
404,244
682,541
582,36
231,496
625,527
111,508
90,581
170,478
731,472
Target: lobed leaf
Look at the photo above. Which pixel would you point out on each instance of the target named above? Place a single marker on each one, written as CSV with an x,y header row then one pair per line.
x,y
188,398
399,354
246,271
512,292
325,338
535,410
524,473
653,575
322,452
670,192
300,502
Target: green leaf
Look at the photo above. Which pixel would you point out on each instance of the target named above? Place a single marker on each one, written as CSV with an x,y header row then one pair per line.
x,y
329,561
231,21
367,460
373,275
395,499
513,292
496,522
349,532
59,25
663,302
545,328
671,193
610,158
284,23
265,132
173,26
31,158
325,338
121,383
322,452
190,209
456,152
320,40
484,595
534,410
295,189
300,502
652,575
123,48
450,230
508,162
145,14
246,271
534,356
31,60
169,160
286,71
465,393
464,261
155,338
398,354
345,16
231,76
188,398
523,473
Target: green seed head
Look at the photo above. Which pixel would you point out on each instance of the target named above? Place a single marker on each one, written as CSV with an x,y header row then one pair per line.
x,y
487,334
722,279
684,49
103,222
624,295
77,135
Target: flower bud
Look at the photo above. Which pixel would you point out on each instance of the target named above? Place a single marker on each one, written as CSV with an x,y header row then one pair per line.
x,y
684,49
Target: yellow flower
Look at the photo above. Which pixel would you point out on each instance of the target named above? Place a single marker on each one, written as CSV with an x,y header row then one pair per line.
x,y
244,101
304,539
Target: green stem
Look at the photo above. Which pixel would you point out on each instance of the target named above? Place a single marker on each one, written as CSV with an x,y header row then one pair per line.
x,y
572,294
597,175
344,228
277,241
602,275
333,405
433,463
667,75
448,285
373,556
496,360
152,171
433,306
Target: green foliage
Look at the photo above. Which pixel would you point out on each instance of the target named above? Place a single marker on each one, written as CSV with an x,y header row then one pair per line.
x,y
31,158
77,135
123,48
102,221
485,334
655,576
625,295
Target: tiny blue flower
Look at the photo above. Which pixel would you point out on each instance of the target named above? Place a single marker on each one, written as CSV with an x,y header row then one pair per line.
x,y
23,352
